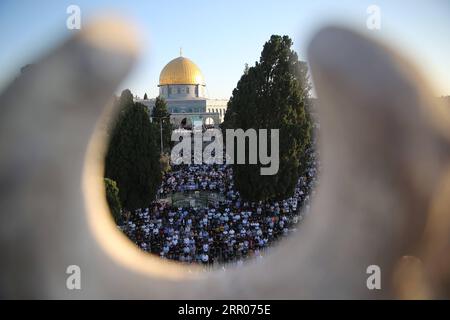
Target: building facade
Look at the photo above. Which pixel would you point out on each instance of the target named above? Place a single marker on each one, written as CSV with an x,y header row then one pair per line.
x,y
182,85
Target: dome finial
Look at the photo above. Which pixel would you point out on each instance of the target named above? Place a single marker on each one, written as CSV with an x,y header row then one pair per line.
x,y
181,51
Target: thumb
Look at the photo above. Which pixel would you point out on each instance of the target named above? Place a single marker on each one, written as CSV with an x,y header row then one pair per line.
x,y
48,115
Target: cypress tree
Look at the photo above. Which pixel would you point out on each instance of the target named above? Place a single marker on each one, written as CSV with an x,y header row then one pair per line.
x,y
273,94
161,113
132,159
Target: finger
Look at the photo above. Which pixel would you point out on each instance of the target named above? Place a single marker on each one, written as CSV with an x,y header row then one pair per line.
x,y
48,115
381,155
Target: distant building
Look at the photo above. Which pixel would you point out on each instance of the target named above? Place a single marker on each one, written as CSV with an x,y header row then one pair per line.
x,y
183,86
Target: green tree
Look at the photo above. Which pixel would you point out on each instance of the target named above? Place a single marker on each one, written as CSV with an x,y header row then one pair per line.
x,y
145,96
306,158
273,94
161,113
112,197
132,159
164,162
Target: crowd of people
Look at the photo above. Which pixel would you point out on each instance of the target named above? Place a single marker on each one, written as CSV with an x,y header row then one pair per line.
x,y
220,232
201,177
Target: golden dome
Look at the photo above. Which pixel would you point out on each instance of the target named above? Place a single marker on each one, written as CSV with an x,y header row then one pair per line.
x,y
181,70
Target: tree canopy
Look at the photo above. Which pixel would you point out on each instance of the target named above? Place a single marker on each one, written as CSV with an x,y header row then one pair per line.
x,y
112,197
161,113
273,94
132,159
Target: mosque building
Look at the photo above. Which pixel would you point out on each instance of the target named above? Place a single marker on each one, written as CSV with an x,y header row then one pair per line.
x,y
182,85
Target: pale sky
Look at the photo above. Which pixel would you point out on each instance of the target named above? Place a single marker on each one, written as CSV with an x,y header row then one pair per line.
x,y
221,36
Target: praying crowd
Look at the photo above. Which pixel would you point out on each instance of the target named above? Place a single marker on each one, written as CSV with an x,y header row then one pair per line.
x,y
220,232
196,177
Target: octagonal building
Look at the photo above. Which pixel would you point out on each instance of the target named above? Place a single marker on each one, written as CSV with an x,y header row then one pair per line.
x,y
183,86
